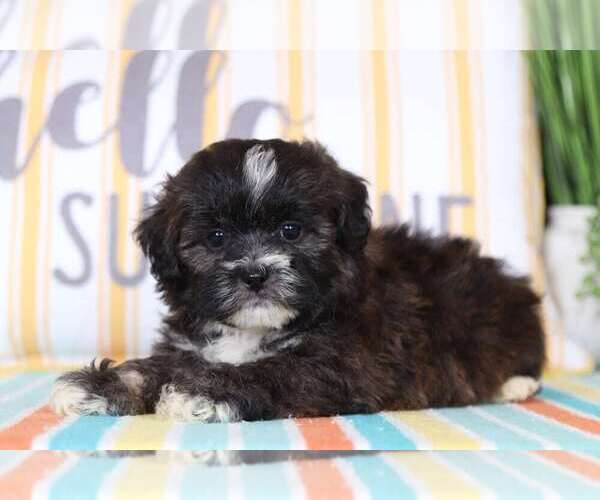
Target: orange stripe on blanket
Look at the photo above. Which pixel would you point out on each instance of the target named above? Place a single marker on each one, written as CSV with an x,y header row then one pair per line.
x,y
323,434
561,415
573,462
20,436
18,483
322,480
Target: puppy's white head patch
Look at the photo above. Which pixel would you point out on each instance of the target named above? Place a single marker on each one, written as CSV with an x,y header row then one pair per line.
x,y
259,169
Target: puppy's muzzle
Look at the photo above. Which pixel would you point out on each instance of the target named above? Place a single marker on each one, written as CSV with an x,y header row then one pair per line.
x,y
255,277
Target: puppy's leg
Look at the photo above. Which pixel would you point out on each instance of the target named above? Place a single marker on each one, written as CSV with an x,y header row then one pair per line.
x,y
278,387
517,388
181,404
105,389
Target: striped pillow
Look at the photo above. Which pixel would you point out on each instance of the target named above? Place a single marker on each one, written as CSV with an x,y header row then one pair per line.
x,y
446,139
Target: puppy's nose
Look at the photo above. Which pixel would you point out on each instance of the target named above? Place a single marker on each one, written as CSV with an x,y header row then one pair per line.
x,y
255,277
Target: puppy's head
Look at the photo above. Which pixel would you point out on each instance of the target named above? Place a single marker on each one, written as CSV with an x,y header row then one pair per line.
x,y
256,234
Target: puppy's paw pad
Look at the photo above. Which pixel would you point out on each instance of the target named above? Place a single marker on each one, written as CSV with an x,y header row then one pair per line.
x,y
68,398
179,405
517,388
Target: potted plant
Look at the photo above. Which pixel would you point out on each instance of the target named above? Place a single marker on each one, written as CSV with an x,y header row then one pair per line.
x,y
566,84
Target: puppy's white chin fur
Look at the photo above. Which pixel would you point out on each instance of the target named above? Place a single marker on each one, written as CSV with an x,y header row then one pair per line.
x,y
262,316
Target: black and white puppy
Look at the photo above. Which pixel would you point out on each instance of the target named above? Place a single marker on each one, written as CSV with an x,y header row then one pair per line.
x,y
282,302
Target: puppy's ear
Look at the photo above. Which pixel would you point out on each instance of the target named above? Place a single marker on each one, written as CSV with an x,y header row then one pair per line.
x,y
354,214
157,234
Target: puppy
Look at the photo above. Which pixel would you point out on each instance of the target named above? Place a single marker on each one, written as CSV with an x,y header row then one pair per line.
x,y
282,302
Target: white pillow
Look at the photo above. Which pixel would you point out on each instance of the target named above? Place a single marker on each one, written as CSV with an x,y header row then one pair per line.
x,y
446,140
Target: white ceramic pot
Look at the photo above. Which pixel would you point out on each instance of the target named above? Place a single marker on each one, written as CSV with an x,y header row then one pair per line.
x,y
565,243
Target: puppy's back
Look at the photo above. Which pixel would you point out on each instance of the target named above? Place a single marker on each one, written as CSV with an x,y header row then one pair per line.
x,y
465,308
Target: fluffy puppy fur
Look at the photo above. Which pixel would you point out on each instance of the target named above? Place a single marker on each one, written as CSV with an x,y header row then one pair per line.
x,y
283,302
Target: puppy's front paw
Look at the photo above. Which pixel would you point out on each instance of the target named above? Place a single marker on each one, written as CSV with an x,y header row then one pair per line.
x,y
179,405
68,397
517,388
98,390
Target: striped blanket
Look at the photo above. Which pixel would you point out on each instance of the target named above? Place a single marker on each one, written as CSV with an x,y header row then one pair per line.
x,y
548,447
564,416
312,475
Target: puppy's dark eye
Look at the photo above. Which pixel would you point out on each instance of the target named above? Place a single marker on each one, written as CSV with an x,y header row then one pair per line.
x,y
216,238
291,231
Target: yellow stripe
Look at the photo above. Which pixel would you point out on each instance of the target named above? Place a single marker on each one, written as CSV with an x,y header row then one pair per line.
x,y
32,185
462,27
143,432
397,180
440,481
26,67
553,370
120,187
460,115
295,70
47,272
227,105
382,123
36,363
134,344
15,190
41,18
381,102
534,206
215,18
481,168
451,116
31,215
379,25
534,210
147,474
532,183
577,388
482,198
467,143
440,434
210,132
295,94
10,320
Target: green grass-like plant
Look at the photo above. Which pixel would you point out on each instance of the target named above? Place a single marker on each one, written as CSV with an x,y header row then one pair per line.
x,y
564,70
566,84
